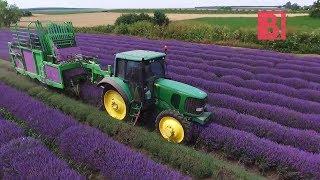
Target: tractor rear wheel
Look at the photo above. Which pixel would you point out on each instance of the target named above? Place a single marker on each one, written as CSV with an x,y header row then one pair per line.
x,y
115,104
173,126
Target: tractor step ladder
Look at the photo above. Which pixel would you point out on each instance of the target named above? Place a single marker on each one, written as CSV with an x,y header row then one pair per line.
x,y
135,112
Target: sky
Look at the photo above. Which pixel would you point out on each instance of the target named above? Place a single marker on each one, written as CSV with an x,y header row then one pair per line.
x,y
114,4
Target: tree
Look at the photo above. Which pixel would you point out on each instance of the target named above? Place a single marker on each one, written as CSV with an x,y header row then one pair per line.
x,y
132,18
9,14
160,18
26,13
315,10
295,6
288,5
291,6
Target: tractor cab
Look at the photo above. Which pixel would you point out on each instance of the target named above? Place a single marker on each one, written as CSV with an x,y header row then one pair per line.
x,y
140,69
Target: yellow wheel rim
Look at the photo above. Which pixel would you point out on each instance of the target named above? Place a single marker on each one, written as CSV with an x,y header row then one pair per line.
x,y
115,105
171,129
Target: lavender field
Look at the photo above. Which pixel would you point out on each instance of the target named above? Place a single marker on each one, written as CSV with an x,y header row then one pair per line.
x,y
266,105
82,144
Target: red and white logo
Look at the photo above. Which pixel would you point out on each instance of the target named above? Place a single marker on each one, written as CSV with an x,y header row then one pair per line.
x,y
269,26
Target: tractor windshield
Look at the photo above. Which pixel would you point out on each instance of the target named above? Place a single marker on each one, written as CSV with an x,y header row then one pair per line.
x,y
155,68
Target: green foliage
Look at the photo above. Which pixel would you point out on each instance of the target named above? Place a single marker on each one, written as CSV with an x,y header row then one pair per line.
x,y
302,23
303,40
26,13
121,29
143,28
160,18
223,10
315,11
96,29
9,14
291,6
185,159
132,18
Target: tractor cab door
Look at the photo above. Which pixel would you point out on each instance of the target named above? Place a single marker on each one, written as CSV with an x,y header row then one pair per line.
x,y
133,75
152,70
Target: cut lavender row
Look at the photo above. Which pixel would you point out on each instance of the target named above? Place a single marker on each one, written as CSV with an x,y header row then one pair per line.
x,y
27,157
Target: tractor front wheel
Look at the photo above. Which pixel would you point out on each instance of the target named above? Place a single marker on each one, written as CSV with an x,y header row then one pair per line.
x,y
173,126
114,104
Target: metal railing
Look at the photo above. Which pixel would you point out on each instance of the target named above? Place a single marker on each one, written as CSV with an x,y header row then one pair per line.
x,y
26,36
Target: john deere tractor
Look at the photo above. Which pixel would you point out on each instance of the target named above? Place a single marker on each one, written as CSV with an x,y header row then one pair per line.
x,y
137,83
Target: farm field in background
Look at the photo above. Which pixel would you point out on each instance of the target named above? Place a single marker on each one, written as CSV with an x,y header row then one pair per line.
x,y
266,105
63,10
296,23
104,18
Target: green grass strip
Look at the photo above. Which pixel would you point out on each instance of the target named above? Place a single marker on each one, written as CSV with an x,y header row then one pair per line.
x,y
183,158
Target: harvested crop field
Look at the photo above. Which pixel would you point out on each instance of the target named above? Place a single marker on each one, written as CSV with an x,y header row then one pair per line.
x,y
103,18
266,105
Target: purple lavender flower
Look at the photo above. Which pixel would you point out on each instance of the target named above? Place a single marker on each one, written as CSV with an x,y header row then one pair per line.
x,y
9,131
88,145
27,157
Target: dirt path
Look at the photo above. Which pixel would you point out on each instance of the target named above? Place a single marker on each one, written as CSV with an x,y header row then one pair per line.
x,y
102,18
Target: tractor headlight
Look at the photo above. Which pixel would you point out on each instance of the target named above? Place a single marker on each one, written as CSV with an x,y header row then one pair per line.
x,y
199,109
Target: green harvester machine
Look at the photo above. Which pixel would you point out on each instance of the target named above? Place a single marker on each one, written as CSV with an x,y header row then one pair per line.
x,y
135,84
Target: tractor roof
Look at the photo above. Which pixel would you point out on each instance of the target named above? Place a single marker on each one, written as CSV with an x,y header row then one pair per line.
x,y
139,55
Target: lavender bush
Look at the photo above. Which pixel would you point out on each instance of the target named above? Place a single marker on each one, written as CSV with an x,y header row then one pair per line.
x,y
264,152
114,160
303,139
9,131
277,114
80,143
27,157
47,121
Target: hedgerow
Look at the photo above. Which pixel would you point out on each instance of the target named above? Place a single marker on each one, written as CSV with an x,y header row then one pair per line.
x,y
296,42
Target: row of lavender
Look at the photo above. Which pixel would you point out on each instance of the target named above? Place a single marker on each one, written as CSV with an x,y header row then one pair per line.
x,y
196,51
266,58
22,156
5,37
83,144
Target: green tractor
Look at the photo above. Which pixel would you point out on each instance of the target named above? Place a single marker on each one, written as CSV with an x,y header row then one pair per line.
x,y
137,83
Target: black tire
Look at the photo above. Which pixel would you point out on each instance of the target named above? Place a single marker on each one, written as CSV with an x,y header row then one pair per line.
x,y
187,126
